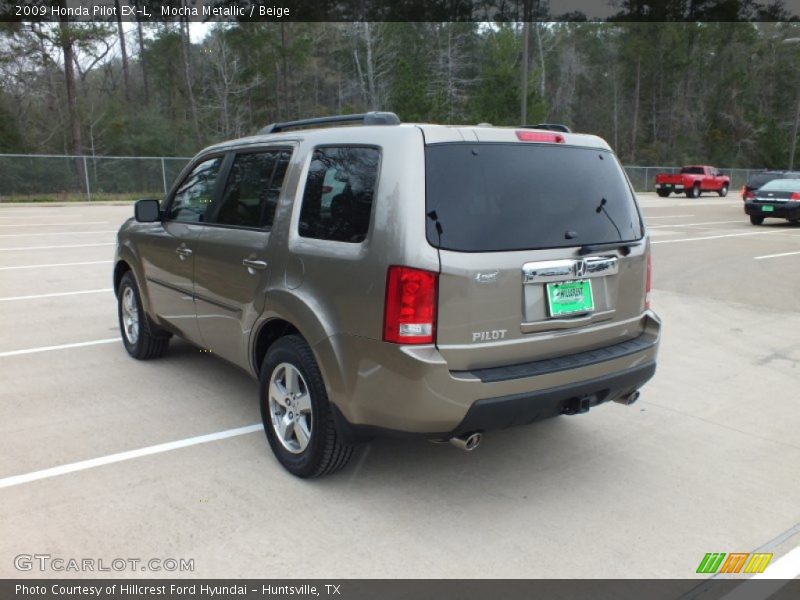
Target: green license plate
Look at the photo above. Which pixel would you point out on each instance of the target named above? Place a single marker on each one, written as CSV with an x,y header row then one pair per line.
x,y
767,209
569,297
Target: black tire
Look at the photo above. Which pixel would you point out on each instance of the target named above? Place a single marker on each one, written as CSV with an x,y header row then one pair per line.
x,y
693,192
662,193
756,220
149,341
723,191
325,452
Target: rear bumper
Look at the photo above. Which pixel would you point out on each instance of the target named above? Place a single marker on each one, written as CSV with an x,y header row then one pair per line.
x,y
521,409
781,210
391,389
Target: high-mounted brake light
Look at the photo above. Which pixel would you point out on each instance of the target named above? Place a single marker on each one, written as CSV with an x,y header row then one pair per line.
x,y
795,196
540,136
410,310
648,283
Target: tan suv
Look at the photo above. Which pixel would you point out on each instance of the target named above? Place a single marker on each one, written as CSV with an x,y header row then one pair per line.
x,y
398,278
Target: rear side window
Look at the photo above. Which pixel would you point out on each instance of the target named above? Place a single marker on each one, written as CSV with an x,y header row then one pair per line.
x,y
337,201
252,190
196,193
498,197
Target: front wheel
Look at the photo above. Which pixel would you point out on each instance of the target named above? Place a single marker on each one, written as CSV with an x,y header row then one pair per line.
x,y
723,191
141,337
756,220
296,413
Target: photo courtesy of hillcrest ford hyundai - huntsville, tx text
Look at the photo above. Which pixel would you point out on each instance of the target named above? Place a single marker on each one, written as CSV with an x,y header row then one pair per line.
x,y
379,277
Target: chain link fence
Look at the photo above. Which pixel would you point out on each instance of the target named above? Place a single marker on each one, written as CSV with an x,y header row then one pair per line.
x,y
46,177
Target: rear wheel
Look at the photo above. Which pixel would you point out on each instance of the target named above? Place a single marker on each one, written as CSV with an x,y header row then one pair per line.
x,y
756,220
141,337
723,191
662,193
693,192
296,413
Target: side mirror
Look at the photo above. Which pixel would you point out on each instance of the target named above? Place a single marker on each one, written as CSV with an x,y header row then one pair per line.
x,y
147,211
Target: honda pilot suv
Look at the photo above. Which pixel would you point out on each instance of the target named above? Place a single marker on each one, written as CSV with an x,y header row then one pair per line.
x,y
378,277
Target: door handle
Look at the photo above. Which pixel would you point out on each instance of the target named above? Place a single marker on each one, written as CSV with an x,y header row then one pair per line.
x,y
253,265
183,252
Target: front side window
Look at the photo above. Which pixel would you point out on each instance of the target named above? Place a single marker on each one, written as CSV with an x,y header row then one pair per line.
x,y
337,201
195,195
252,190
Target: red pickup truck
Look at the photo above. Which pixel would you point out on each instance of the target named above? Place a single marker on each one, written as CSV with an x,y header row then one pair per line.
x,y
693,180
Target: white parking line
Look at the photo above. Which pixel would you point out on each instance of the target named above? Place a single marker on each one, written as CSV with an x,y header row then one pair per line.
x,y
695,224
130,454
668,216
4,235
56,223
74,264
10,298
783,570
716,237
61,347
776,255
786,567
54,247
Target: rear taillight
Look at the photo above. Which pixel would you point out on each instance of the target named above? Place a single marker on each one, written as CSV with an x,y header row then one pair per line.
x,y
749,195
648,282
410,316
540,136
795,196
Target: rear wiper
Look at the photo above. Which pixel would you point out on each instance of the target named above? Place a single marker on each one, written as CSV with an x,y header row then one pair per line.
x,y
623,247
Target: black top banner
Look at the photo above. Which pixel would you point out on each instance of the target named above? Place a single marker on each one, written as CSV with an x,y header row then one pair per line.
x,y
399,10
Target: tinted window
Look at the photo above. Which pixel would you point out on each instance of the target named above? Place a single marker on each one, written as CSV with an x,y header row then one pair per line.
x,y
494,197
693,170
252,190
782,185
196,193
756,181
337,200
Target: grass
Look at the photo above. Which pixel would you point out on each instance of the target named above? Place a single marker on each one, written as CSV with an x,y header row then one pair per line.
x,y
78,197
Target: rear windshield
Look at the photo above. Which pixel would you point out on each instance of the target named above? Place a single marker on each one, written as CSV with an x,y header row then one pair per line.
x,y
693,170
782,185
497,197
756,181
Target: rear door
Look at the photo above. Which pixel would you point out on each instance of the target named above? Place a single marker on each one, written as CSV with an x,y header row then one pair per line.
x,y
524,274
232,261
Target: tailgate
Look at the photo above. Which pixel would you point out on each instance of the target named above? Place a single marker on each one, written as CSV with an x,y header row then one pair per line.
x,y
514,286
671,179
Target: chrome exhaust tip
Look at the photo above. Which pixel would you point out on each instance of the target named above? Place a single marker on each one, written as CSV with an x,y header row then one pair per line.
x,y
629,399
467,442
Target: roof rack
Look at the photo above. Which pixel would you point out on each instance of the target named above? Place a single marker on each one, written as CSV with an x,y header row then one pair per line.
x,y
370,118
550,127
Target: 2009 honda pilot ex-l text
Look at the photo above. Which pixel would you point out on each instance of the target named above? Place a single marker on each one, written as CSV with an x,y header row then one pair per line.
x,y
384,277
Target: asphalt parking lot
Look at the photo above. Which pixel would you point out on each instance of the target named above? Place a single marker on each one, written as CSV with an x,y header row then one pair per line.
x,y
706,461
